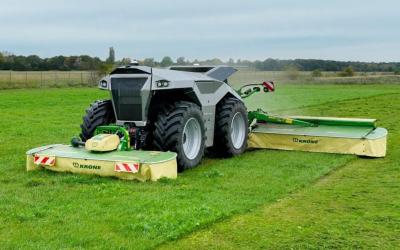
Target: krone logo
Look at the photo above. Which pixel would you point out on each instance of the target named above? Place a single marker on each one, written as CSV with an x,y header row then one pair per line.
x,y
305,141
85,166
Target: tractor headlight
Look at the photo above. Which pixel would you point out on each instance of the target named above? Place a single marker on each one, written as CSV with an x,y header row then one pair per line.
x,y
103,84
162,83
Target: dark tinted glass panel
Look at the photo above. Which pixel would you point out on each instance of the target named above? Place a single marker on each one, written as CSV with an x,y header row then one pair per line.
x,y
127,99
193,69
128,71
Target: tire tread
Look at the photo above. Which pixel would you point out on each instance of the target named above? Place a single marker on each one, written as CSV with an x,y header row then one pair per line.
x,y
168,127
222,142
99,113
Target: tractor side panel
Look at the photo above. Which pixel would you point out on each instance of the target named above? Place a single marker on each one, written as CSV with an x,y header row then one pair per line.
x,y
210,94
208,87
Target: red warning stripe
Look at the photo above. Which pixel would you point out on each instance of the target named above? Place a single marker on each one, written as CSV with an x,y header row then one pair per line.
x,y
44,160
126,167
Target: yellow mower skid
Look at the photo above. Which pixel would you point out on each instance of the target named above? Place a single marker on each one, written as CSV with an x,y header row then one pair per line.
x,y
128,165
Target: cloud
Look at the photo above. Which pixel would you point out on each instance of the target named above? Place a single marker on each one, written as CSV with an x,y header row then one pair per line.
x,y
199,29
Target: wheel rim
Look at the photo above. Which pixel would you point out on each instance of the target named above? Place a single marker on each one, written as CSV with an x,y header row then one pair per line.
x,y
191,138
238,130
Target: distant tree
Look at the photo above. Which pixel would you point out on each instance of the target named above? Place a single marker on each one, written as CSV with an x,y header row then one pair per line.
x,y
56,63
76,63
111,56
125,61
347,72
20,63
104,69
69,62
181,61
4,62
316,73
149,62
35,62
7,53
85,62
9,61
214,61
292,72
166,61
258,65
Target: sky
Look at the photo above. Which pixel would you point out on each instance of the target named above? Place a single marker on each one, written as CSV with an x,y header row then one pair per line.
x,y
344,30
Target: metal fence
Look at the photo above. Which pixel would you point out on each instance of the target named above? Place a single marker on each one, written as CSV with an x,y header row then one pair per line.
x,y
46,79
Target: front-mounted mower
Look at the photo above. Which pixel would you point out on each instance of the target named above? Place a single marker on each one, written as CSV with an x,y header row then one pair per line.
x,y
158,121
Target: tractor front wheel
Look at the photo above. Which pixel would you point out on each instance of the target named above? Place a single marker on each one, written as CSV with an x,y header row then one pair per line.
x,y
180,128
231,127
99,113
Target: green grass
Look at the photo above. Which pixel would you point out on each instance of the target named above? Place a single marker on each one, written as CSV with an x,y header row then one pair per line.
x,y
289,97
355,207
52,210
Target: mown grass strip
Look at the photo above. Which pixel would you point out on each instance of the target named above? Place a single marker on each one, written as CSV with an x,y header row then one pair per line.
x,y
354,207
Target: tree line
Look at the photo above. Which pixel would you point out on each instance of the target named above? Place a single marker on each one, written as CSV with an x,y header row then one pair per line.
x,y
324,65
35,63
10,61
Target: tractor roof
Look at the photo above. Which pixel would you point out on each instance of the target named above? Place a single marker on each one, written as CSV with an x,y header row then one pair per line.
x,y
220,72
179,73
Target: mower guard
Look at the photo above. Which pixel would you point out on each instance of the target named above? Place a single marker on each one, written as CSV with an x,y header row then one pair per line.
x,y
130,165
328,134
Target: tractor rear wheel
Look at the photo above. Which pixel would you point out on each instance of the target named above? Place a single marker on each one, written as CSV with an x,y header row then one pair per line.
x,y
179,127
231,127
99,113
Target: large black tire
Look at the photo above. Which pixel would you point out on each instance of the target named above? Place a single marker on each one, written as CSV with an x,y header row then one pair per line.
x,y
227,109
169,132
99,113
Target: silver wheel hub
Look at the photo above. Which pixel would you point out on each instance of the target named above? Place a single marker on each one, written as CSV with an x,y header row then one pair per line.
x,y
191,138
238,130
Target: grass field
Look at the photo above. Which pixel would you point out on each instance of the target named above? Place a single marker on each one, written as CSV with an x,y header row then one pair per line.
x,y
46,79
261,199
305,77
356,206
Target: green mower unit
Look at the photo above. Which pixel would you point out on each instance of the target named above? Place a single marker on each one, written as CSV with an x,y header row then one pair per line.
x,y
160,121
103,140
